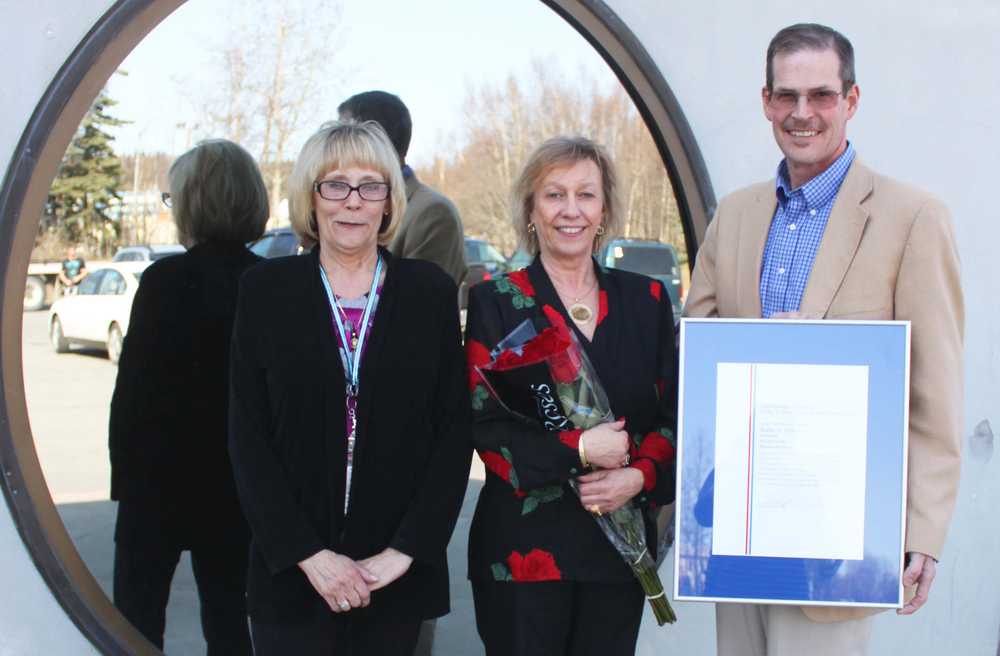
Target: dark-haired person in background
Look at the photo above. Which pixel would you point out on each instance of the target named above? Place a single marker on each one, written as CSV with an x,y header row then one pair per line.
x,y
170,470
431,229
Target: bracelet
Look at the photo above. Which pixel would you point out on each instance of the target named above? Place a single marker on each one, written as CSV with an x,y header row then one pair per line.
x,y
583,453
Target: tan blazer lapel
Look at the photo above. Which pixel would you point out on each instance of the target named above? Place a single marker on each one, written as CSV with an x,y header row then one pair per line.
x,y
754,226
841,238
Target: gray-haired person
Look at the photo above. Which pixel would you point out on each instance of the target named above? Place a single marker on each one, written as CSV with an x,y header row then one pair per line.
x,y
170,469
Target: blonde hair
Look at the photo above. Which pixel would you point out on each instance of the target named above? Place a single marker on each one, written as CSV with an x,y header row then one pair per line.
x,y
217,193
338,145
553,153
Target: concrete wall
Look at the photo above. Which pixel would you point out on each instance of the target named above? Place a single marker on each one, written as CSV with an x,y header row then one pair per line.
x,y
928,115
38,36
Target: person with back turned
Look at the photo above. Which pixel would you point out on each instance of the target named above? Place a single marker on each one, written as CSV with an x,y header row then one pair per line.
x,y
170,470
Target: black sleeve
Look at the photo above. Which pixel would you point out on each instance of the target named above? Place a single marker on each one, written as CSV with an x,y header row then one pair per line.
x,y
430,519
537,456
280,529
655,455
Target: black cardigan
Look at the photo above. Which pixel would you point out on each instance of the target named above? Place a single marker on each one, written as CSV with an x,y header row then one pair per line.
x,y
529,525
168,425
287,442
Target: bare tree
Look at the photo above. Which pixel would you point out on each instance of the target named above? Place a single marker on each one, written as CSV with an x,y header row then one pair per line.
x,y
504,122
274,81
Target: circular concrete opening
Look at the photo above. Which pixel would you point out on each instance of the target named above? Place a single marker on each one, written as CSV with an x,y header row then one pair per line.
x,y
33,166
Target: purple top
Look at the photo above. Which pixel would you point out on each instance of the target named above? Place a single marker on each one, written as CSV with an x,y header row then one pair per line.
x,y
354,309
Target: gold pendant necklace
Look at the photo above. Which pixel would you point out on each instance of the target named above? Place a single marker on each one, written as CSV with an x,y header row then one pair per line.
x,y
579,312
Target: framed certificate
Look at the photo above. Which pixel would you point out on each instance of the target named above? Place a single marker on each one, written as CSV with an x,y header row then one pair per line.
x,y
791,466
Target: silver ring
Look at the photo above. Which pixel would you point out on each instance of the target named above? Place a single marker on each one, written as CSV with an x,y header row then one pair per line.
x,y
344,605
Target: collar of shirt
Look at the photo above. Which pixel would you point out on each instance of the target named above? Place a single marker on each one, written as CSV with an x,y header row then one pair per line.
x,y
822,189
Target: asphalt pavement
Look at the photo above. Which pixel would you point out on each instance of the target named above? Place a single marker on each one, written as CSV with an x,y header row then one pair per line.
x,y
68,396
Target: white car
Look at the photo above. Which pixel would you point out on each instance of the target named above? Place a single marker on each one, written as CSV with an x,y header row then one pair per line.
x,y
147,253
95,313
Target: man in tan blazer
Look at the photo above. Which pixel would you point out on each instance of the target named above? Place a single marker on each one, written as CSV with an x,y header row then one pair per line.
x,y
832,239
431,229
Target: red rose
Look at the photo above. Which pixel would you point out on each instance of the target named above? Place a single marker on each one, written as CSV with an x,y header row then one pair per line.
x,y
648,474
521,281
555,318
536,565
656,447
564,362
497,464
602,306
477,355
571,438
544,345
565,366
654,289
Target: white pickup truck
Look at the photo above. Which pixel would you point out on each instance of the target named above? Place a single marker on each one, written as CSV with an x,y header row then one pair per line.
x,y
42,285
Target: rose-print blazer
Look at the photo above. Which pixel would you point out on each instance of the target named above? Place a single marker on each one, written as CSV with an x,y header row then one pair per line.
x,y
529,525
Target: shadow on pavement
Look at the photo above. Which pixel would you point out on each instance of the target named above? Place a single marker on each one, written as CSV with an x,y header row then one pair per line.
x,y
91,525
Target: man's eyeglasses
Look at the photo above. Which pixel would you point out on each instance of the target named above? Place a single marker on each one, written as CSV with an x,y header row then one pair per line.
x,y
337,190
165,197
820,99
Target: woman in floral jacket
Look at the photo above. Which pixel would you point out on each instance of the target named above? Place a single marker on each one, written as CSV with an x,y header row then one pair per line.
x,y
545,578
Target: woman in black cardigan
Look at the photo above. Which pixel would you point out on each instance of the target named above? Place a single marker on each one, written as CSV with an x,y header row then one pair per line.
x,y
545,579
170,470
349,535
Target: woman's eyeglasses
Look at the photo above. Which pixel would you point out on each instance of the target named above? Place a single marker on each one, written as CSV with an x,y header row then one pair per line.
x,y
337,190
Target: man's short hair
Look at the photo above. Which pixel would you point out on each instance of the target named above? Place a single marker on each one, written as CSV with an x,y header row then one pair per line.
x,y
812,36
385,109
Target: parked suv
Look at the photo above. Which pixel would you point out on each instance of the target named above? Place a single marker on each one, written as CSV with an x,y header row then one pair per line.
x,y
147,253
651,258
276,243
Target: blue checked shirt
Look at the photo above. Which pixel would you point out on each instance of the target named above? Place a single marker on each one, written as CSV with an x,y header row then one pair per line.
x,y
796,231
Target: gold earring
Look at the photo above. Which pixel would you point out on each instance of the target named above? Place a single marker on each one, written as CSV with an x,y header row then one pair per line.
x,y
531,228
600,229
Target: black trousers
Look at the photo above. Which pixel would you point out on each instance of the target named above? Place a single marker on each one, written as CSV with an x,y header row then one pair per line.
x,y
142,587
336,634
558,618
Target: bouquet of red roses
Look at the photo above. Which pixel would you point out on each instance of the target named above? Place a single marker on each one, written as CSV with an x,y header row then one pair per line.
x,y
546,377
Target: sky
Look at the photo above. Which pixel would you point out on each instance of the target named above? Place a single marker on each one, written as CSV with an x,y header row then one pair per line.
x,y
429,53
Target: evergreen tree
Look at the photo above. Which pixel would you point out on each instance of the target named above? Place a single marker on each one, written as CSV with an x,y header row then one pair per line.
x,y
87,184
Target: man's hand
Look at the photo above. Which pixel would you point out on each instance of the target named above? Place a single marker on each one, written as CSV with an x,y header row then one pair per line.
x,y
388,566
921,571
607,490
343,583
